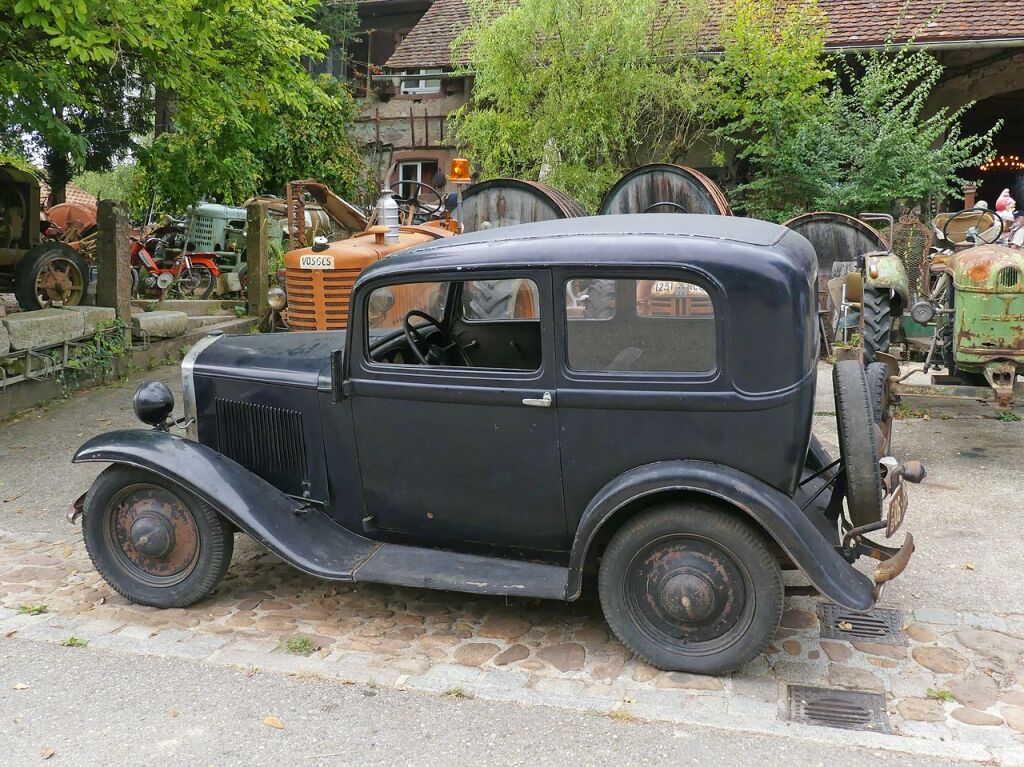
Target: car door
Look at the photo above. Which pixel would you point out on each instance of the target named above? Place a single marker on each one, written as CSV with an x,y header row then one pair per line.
x,y
457,454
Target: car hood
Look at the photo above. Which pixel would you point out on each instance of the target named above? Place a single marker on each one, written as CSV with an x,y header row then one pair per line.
x,y
292,359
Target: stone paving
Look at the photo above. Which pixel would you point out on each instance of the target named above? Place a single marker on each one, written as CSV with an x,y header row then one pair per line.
x,y
955,690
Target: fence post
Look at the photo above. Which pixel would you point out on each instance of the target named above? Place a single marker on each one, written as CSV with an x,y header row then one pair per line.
x,y
257,257
114,278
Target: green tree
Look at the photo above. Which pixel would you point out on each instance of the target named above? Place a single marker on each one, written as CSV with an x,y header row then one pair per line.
x,y
812,132
888,146
575,93
771,81
66,61
229,161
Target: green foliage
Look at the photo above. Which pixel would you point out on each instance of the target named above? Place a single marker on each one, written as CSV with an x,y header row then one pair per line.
x,y
73,641
68,65
213,158
576,93
772,82
119,183
36,608
944,695
845,134
298,645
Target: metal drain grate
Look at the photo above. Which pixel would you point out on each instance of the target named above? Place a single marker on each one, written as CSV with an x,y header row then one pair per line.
x,y
846,709
878,625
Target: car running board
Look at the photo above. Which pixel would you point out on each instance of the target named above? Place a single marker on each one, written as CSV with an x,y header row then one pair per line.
x,y
435,569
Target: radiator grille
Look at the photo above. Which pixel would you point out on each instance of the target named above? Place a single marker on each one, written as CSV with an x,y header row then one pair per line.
x,y
264,439
1008,277
318,299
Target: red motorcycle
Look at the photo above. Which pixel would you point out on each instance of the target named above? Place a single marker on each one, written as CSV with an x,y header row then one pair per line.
x,y
163,268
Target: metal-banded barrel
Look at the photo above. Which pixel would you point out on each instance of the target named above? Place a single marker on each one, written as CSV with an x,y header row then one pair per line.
x,y
665,188
836,237
507,201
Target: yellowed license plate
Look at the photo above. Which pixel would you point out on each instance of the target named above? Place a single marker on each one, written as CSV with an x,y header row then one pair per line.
x,y
316,261
897,509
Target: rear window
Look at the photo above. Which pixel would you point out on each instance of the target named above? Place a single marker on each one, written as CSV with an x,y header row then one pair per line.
x,y
646,325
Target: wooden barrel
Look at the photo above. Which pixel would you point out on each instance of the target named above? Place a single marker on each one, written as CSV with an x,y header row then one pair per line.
x,y
836,237
508,201
665,188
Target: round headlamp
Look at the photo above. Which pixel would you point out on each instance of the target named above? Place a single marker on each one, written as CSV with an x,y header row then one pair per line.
x,y
153,403
277,298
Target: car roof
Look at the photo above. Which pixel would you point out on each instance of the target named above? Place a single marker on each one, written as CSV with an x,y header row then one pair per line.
x,y
452,252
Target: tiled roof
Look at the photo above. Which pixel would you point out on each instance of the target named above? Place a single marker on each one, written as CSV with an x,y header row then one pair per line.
x,y
72,193
853,23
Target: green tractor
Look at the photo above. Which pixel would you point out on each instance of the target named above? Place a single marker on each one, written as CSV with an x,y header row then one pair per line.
x,y
967,312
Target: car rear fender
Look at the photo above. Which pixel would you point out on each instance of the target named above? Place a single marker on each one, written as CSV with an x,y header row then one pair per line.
x,y
289,527
773,511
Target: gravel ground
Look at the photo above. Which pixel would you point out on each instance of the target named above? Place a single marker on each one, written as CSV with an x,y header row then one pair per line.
x,y
174,712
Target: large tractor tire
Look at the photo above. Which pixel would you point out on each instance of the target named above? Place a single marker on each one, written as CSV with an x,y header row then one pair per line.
x,y
51,274
858,442
876,327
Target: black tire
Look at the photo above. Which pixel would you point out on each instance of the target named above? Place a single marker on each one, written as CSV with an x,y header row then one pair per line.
x,y
492,299
858,442
46,255
877,375
194,580
600,303
676,560
876,329
204,282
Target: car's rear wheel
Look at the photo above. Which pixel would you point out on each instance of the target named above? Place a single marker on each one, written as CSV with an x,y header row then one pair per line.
x,y
859,437
691,587
153,542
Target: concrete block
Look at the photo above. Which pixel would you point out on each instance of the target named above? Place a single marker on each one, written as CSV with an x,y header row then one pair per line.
x,y
30,330
5,339
161,324
95,316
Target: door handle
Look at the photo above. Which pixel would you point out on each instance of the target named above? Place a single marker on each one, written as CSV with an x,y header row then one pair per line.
x,y
544,401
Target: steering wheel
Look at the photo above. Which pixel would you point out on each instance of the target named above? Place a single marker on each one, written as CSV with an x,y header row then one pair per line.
x,y
996,218
673,207
414,203
436,354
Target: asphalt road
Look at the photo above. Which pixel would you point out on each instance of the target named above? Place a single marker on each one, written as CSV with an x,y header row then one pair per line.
x,y
93,708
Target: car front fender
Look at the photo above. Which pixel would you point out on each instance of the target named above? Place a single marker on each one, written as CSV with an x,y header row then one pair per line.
x,y
773,511
302,536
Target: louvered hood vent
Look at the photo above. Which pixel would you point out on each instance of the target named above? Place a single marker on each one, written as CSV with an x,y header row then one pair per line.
x,y
266,440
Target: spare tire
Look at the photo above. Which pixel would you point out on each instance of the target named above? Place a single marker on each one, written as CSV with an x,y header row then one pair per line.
x,y
877,374
858,442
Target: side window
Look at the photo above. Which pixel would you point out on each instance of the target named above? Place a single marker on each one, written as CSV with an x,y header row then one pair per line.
x,y
493,324
653,325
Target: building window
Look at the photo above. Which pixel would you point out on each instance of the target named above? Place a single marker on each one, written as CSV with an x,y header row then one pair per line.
x,y
416,82
422,171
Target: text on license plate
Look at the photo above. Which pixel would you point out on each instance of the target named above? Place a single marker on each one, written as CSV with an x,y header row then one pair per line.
x,y
897,509
316,261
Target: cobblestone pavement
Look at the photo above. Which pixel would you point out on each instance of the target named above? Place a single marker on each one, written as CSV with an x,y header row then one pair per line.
x,y
955,690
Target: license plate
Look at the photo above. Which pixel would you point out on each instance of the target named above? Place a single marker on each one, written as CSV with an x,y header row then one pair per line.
x,y
897,509
316,261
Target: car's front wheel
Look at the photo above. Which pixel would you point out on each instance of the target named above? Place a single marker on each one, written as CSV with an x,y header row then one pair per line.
x,y
152,541
691,587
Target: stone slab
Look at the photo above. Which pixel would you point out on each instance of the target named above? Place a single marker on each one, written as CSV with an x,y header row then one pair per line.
x,y
45,327
94,316
161,324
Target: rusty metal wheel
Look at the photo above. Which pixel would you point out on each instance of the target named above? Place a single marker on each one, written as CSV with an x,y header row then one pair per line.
x,y
691,588
51,274
152,541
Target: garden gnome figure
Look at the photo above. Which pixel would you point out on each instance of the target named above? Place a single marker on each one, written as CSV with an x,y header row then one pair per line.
x,y
1005,208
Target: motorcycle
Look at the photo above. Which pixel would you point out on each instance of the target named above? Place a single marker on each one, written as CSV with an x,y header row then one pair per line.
x,y
165,265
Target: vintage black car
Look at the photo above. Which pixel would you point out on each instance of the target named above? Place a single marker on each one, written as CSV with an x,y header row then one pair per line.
x,y
630,396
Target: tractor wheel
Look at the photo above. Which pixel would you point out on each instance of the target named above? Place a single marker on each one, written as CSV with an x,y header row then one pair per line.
x,y
51,274
600,303
494,299
858,442
876,322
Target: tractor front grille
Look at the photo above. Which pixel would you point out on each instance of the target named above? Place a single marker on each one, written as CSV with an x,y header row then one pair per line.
x,y
266,440
318,299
